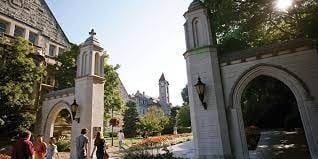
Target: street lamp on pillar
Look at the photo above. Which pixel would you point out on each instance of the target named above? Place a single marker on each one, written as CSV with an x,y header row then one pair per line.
x,y
200,87
74,110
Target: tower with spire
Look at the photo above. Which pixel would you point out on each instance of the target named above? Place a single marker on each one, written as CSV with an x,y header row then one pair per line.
x,y
163,89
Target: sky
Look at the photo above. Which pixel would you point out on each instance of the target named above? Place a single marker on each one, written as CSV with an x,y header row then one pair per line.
x,y
145,37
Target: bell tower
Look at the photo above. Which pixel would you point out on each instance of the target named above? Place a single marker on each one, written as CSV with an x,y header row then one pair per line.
x,y
89,91
208,117
163,89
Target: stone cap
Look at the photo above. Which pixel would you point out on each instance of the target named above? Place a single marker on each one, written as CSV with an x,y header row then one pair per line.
x,y
92,40
196,4
60,93
268,49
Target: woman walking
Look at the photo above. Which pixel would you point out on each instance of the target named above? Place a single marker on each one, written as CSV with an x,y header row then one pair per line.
x,y
100,145
52,149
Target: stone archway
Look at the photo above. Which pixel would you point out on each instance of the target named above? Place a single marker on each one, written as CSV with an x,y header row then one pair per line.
x,y
53,113
301,93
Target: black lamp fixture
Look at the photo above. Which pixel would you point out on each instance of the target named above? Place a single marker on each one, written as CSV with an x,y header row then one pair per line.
x,y
74,109
200,87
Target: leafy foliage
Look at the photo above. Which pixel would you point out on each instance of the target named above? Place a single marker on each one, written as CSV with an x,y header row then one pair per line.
x,y
130,120
183,117
168,129
18,71
269,103
112,96
66,68
153,121
185,95
243,24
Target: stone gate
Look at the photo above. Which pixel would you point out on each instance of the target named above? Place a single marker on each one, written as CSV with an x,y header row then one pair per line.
x,y
219,131
88,93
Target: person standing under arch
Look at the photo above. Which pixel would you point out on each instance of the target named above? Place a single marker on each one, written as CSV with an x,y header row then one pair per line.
x,y
82,145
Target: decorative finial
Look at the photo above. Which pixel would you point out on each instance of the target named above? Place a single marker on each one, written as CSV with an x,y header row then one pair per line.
x,y
92,33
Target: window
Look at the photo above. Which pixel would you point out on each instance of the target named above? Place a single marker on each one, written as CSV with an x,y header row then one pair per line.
x,y
18,31
33,38
52,50
61,51
3,27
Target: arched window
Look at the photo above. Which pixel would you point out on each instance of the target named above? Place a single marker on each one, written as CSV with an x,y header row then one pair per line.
x,y
86,60
97,71
83,64
196,27
101,65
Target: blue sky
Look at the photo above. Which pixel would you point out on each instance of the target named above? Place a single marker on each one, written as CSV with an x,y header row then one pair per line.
x,y
145,37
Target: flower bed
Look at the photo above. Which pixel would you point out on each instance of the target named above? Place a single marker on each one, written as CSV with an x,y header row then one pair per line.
x,y
161,141
2,156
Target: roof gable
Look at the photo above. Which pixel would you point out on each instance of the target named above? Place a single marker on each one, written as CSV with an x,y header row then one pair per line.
x,y
36,14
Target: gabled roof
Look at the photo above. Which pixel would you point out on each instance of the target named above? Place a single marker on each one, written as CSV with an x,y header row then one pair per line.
x,y
36,14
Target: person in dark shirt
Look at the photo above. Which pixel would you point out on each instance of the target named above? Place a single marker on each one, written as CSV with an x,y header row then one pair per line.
x,y
23,148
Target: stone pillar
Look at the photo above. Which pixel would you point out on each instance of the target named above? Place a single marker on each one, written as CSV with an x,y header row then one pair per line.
x,y
209,126
11,30
89,94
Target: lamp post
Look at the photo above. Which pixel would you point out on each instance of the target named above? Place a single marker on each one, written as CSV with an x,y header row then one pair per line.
x,y
74,110
200,87
112,126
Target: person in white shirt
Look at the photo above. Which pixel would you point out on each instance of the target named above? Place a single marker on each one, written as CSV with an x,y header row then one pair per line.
x,y
121,138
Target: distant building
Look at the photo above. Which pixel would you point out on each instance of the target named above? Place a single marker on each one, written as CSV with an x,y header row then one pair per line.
x,y
144,101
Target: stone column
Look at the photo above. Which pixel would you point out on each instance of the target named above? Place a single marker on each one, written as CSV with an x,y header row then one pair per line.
x,y
209,126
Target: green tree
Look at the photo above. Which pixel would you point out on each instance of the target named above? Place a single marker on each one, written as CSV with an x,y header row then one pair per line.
x,y
18,72
112,98
65,69
168,129
130,119
185,95
153,121
183,117
243,24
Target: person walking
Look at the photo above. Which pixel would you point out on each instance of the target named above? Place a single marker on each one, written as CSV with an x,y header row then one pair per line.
x,y
121,138
82,145
100,145
23,148
52,152
40,148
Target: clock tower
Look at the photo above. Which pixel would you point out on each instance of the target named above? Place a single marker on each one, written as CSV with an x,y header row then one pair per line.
x,y
163,89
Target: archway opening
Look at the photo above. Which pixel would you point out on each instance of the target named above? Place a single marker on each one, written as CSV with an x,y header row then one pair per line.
x,y
62,130
273,126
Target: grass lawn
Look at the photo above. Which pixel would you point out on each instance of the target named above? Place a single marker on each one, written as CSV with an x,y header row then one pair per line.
x,y
127,141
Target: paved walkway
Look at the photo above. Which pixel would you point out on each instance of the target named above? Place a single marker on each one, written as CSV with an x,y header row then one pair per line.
x,y
272,145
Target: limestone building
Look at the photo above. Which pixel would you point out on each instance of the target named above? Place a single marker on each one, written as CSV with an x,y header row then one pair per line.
x,y
144,101
34,21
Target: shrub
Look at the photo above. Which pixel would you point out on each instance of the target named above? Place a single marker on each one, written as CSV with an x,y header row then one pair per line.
x,y
63,144
184,129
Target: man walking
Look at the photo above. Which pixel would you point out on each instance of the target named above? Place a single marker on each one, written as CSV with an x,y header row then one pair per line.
x,y
82,145
23,148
